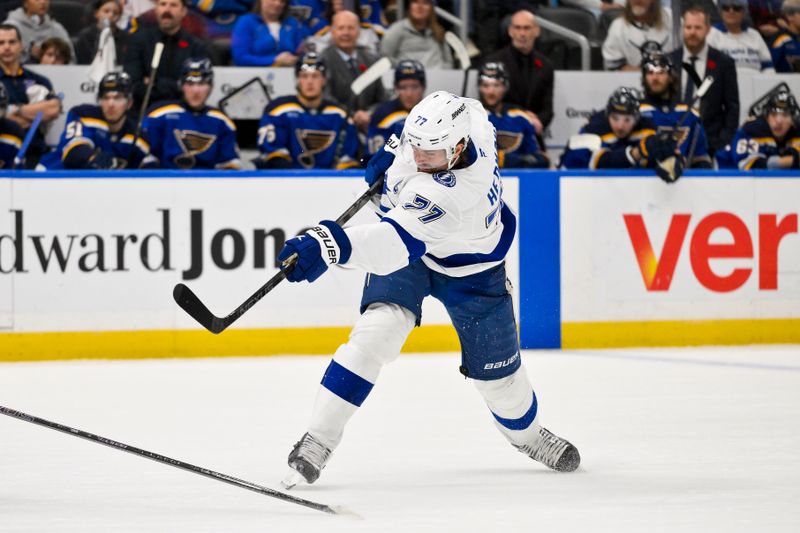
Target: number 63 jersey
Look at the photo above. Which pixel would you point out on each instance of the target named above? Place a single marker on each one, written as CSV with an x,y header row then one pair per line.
x,y
454,220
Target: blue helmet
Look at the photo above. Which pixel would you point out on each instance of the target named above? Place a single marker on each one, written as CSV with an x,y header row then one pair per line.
x,y
196,70
409,69
625,101
310,61
115,82
493,70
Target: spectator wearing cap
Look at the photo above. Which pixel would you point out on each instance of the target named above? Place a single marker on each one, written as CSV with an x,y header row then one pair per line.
x,y
785,45
35,26
530,74
268,37
418,36
306,130
389,117
642,21
179,46
28,93
346,62
735,38
106,14
719,108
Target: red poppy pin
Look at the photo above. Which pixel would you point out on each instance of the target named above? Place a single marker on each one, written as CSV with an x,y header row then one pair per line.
x,y
183,44
538,63
362,67
711,65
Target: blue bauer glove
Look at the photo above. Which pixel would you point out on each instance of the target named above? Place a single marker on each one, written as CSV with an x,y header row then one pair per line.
x,y
381,161
322,245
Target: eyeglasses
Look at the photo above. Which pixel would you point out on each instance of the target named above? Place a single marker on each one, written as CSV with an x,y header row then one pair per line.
x,y
733,8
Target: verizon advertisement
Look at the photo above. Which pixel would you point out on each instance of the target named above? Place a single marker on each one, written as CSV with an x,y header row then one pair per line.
x,y
104,254
636,249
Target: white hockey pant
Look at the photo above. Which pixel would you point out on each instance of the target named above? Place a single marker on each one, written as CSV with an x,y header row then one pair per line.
x,y
376,339
513,404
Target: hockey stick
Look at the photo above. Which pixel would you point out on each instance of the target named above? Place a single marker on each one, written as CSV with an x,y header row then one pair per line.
x,y
19,159
461,53
190,303
174,462
154,62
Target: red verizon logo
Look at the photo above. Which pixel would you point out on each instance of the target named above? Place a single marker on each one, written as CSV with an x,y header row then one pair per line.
x,y
657,272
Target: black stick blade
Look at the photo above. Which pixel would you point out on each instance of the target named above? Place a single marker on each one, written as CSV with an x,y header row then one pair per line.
x,y
189,302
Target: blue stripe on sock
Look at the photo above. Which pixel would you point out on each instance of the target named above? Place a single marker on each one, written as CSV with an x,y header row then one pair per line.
x,y
345,384
522,422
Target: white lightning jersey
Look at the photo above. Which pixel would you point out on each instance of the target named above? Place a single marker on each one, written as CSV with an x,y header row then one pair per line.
x,y
455,220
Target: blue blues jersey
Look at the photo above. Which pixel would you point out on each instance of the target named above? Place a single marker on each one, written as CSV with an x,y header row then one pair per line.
x,y
293,136
753,144
183,138
785,50
387,119
596,146
11,135
311,13
692,134
517,146
88,143
212,8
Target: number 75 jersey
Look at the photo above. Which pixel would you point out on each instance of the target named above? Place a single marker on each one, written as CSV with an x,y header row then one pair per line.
x,y
457,218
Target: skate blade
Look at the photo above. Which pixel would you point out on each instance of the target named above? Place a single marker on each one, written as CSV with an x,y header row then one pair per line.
x,y
291,480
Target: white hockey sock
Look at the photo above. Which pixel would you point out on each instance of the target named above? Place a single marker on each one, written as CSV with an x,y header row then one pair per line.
x,y
513,404
375,340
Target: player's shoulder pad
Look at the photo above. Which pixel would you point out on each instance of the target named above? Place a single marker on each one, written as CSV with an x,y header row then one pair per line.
x,y
757,128
11,132
284,104
330,107
780,40
164,108
442,190
387,114
222,117
646,108
517,112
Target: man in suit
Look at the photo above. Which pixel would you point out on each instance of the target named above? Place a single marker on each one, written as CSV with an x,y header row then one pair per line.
x,y
719,108
530,74
345,62
178,47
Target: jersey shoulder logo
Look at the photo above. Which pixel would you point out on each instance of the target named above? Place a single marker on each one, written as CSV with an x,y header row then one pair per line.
x,y
446,178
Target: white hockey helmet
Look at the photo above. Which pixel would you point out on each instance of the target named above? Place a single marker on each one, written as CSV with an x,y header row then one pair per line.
x,y
439,122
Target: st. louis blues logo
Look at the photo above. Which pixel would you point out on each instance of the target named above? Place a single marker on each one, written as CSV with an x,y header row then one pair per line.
x,y
193,143
313,142
508,141
446,178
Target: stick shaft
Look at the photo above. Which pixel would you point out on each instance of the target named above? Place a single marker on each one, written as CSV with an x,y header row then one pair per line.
x,y
165,460
154,62
26,143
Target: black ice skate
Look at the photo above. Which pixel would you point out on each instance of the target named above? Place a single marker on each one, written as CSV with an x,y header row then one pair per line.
x,y
307,459
553,452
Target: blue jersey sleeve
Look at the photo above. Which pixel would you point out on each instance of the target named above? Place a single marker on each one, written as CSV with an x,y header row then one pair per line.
x,y
153,132
349,155
273,140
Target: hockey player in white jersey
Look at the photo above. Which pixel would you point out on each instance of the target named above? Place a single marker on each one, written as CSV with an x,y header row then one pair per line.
x,y
444,232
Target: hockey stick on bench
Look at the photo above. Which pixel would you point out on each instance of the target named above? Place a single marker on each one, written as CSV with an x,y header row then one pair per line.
x,y
266,491
19,159
190,303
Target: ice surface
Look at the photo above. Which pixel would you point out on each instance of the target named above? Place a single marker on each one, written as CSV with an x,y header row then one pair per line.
x,y
672,440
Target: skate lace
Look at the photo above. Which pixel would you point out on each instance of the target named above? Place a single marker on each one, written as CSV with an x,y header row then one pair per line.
x,y
313,451
547,449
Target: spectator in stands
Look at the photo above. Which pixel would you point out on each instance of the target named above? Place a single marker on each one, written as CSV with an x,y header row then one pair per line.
x,y
530,74
719,108
765,15
389,117
100,136
55,51
785,46
178,47
418,36
221,15
106,13
771,141
660,105
28,92
268,37
741,42
596,7
345,62
618,137
642,21
314,14
35,26
188,134
369,38
517,146
11,134
306,130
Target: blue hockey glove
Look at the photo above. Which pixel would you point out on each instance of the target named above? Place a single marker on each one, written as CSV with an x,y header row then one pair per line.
x,y
322,245
657,147
381,161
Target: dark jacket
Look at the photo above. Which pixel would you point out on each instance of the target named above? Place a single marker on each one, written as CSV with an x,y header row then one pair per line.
x,y
530,81
719,108
340,76
177,49
88,40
